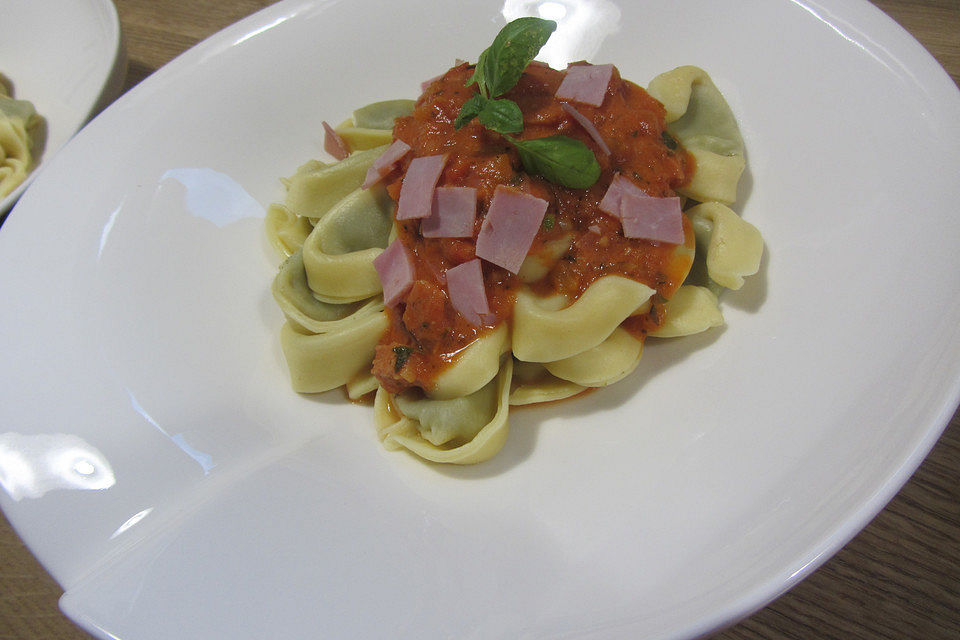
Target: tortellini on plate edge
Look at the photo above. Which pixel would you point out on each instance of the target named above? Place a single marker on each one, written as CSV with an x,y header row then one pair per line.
x,y
22,137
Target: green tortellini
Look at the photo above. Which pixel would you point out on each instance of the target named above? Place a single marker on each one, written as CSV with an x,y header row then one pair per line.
x,y
301,307
700,118
339,252
462,430
330,230
382,115
372,125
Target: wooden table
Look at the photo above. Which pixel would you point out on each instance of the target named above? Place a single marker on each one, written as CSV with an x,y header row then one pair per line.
x,y
898,579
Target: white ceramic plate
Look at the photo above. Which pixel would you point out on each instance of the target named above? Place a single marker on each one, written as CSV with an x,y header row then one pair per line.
x,y
155,460
65,57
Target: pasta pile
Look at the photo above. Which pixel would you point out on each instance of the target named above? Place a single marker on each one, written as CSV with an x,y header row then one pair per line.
x,y
330,230
21,139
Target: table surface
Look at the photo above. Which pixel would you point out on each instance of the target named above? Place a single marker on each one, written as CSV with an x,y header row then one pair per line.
x,y
899,578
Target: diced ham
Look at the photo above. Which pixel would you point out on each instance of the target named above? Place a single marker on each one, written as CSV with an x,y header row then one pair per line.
x,y
649,218
395,268
610,203
643,216
509,227
467,293
426,83
586,83
584,122
453,214
333,143
385,163
416,192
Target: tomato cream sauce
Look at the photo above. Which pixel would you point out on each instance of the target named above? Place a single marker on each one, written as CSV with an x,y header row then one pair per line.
x,y
577,242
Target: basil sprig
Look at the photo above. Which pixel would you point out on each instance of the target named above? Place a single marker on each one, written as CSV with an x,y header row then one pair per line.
x,y
560,159
502,116
500,65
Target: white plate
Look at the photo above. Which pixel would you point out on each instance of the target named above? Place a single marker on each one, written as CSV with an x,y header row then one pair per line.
x,y
65,57
141,359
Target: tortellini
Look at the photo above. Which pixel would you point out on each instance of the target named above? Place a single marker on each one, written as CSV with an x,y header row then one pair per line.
x,y
372,125
549,329
22,134
325,361
731,247
316,187
476,366
533,384
330,230
463,430
602,365
339,252
692,309
699,117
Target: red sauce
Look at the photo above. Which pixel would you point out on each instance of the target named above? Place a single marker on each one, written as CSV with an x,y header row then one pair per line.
x,y
425,331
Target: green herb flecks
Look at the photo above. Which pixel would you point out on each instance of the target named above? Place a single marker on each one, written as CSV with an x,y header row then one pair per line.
x,y
559,159
401,354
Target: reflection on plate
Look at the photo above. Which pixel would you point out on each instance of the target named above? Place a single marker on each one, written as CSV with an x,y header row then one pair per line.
x,y
171,482
64,56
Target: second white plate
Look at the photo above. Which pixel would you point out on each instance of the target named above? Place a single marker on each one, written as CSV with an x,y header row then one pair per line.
x,y
64,56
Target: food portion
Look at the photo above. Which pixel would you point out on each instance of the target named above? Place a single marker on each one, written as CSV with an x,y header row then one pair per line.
x,y
511,237
22,133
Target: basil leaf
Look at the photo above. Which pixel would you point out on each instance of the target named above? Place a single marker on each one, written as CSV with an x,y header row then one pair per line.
x,y
470,110
479,75
560,159
502,116
502,63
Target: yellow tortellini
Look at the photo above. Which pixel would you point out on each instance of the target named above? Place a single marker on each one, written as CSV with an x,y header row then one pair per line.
x,y
692,309
549,329
316,187
325,361
533,384
286,231
731,247
330,231
22,135
475,366
602,365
